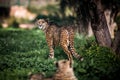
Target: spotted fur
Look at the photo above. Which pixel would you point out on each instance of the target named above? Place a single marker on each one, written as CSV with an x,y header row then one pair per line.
x,y
64,72
56,35
38,76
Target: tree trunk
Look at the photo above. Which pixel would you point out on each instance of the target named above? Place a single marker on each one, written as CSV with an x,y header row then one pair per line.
x,y
110,22
99,24
116,42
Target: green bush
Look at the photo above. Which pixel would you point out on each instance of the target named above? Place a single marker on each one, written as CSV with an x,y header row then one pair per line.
x,y
99,64
23,52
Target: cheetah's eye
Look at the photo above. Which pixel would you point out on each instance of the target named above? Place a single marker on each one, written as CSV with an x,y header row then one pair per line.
x,y
43,22
64,61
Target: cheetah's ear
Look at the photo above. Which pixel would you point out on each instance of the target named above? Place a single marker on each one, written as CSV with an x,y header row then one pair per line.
x,y
47,20
56,64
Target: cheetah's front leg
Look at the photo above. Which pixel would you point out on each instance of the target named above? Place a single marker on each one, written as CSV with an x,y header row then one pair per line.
x,y
50,45
51,54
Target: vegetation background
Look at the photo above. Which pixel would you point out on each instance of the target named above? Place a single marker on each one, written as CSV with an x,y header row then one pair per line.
x,y
24,50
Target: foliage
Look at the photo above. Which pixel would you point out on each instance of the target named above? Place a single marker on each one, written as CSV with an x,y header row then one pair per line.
x,y
50,9
20,51
118,20
99,64
14,22
23,52
52,13
82,7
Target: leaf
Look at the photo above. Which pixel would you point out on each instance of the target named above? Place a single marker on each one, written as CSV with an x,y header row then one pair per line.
x,y
82,70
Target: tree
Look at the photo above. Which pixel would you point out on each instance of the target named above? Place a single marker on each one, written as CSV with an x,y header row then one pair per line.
x,y
93,11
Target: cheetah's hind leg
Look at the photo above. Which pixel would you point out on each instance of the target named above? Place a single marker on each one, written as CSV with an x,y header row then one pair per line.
x,y
72,48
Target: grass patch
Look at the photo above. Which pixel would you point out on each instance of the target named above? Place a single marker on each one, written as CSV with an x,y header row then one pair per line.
x,y
25,51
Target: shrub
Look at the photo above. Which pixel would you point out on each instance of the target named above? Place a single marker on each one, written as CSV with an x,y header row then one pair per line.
x,y
25,51
99,64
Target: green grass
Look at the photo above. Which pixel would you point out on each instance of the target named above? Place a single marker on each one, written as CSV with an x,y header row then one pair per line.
x,y
23,52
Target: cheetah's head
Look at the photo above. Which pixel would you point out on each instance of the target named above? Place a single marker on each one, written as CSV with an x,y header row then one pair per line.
x,y
36,76
42,24
63,65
